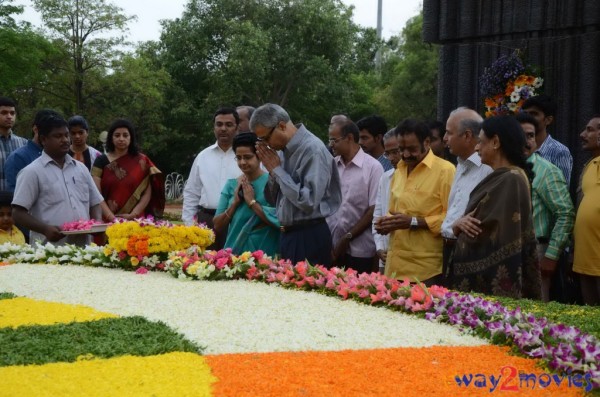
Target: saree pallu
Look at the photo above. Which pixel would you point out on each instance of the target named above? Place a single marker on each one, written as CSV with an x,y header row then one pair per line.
x,y
502,259
246,231
124,180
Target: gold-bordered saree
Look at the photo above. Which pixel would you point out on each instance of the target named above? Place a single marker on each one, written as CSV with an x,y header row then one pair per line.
x,y
124,180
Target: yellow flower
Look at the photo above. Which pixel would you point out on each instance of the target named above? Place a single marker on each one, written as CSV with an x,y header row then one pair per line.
x,y
193,269
245,256
134,260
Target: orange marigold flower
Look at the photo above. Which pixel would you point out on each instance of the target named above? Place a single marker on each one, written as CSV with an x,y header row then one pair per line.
x,y
490,103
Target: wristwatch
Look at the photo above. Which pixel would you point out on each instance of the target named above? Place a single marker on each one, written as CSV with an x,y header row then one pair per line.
x,y
348,236
414,223
252,203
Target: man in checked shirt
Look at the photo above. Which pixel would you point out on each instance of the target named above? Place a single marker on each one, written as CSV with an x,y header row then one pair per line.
x,y
9,142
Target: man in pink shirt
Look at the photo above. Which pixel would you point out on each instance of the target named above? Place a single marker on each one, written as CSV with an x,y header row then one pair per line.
x,y
353,243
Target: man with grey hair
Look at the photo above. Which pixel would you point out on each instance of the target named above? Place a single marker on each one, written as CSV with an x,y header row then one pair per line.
x,y
303,183
461,137
245,112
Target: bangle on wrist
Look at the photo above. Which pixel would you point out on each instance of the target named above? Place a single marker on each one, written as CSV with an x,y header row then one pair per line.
x,y
226,214
252,203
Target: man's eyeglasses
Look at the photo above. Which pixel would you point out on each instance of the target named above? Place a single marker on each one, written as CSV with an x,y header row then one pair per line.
x,y
393,152
335,140
266,137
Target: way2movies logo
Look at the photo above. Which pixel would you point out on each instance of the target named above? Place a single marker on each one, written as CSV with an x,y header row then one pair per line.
x,y
510,379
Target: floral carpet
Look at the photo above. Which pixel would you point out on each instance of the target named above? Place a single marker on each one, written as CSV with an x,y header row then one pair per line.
x,y
256,340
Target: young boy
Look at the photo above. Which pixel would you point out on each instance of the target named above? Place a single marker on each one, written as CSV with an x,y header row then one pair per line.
x,y
9,233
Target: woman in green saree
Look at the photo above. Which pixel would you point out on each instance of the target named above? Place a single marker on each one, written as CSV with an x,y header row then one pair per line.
x,y
243,211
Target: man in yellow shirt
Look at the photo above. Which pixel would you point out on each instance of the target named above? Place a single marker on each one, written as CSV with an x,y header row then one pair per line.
x,y
418,204
587,222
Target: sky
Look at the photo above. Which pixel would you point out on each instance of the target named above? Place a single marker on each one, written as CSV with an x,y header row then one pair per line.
x,y
149,12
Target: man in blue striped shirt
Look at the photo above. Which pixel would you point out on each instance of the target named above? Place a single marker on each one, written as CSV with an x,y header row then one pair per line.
x,y
9,142
543,110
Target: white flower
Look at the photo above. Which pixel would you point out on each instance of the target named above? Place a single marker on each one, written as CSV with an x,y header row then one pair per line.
x,y
285,319
512,107
537,83
515,96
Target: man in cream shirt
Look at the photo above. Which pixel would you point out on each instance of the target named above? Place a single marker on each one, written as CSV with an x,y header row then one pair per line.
x,y
461,137
211,169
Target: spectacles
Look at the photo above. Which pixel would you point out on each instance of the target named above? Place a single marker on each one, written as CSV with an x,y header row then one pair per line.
x,y
336,140
393,152
266,137
245,157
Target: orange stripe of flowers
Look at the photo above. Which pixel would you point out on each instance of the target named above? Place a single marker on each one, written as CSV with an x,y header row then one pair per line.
x,y
383,372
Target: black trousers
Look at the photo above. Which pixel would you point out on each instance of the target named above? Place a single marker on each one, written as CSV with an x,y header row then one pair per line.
x,y
204,217
445,279
361,265
311,243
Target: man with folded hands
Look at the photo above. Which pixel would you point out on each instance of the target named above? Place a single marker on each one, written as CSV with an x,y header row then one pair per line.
x,y
353,242
304,184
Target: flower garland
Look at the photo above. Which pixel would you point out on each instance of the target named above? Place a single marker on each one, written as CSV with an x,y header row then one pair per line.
x,y
506,84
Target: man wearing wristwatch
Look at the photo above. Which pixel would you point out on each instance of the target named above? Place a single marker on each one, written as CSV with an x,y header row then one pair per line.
x,y
418,205
353,242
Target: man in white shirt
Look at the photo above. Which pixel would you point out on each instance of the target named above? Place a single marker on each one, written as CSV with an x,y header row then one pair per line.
x,y
211,169
461,137
392,153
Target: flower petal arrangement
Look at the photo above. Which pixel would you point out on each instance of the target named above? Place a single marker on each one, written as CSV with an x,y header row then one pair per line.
x,y
80,224
507,83
563,349
442,368
147,242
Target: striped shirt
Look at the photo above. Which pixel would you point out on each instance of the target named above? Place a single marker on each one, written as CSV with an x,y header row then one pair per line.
x,y
553,212
385,163
468,174
559,155
8,144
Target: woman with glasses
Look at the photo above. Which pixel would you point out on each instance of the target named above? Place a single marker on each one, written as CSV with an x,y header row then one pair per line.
x,y
243,211
130,183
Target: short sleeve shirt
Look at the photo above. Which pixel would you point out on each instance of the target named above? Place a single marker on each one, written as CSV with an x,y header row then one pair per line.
x,y
55,196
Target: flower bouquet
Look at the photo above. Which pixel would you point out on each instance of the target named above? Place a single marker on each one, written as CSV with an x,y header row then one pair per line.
x,y
146,242
506,84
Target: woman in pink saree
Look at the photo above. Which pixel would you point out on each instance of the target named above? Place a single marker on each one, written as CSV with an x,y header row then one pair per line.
x,y
130,183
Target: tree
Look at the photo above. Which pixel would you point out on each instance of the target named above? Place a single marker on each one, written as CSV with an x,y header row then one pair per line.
x,y
81,26
303,55
408,82
23,55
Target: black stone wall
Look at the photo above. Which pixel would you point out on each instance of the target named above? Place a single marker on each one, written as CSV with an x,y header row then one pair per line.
x,y
561,37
